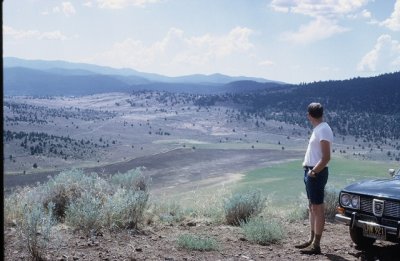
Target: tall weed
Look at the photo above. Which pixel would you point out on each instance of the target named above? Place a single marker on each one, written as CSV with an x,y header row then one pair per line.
x,y
168,211
298,211
331,202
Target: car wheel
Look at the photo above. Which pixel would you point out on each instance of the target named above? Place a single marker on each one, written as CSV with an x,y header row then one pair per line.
x,y
358,238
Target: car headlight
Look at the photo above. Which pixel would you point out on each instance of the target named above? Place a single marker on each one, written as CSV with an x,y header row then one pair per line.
x,y
349,200
355,201
345,199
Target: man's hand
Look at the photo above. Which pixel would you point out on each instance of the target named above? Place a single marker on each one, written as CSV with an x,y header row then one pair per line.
x,y
311,173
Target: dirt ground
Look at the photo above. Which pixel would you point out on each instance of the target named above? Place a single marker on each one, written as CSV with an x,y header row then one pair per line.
x,y
160,243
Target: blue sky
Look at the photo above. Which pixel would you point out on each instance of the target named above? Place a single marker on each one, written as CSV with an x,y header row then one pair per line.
x,y
286,40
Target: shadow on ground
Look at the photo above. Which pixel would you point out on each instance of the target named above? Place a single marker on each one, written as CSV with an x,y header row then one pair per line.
x,y
377,252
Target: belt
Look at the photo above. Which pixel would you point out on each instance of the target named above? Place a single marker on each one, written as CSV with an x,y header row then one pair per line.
x,y
310,168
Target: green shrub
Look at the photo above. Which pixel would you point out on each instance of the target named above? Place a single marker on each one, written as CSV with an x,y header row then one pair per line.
x,y
119,203
331,202
260,231
242,206
192,242
84,201
35,228
84,213
68,186
131,180
124,209
15,202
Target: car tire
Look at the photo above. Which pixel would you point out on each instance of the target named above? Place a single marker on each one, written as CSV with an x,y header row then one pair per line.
x,y
358,238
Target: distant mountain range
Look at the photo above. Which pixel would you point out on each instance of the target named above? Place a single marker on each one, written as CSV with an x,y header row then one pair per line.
x,y
41,78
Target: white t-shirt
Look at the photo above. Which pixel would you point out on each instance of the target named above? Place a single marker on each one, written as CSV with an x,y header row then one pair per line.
x,y
314,153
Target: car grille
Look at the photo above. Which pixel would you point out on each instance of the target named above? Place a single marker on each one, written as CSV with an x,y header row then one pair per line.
x,y
391,209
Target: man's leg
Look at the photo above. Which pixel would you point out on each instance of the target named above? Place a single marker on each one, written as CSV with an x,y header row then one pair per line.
x,y
311,219
319,223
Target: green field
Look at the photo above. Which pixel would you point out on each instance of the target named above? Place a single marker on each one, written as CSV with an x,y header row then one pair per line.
x,y
283,183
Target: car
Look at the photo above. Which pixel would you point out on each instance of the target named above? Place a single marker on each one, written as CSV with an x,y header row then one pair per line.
x,y
371,209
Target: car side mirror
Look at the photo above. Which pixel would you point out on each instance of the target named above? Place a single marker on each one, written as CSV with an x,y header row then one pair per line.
x,y
391,172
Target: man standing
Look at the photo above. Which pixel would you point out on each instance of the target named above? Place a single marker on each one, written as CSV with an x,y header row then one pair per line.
x,y
315,166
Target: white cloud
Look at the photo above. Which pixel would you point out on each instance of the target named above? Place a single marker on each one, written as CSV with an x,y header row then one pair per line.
x,y
266,63
326,14
118,4
32,34
178,50
385,56
365,14
316,30
68,9
318,8
393,22
88,4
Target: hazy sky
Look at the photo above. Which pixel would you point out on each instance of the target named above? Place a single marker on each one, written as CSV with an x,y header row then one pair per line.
x,y
287,40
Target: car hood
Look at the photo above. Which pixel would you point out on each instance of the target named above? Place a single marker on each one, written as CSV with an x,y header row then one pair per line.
x,y
385,188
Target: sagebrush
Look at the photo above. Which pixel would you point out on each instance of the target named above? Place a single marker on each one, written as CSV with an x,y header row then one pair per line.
x,y
242,206
195,242
86,202
261,231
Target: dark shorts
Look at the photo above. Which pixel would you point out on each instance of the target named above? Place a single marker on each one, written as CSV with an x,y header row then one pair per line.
x,y
315,186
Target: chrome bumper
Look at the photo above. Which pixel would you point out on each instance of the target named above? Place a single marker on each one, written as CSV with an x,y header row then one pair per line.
x,y
354,222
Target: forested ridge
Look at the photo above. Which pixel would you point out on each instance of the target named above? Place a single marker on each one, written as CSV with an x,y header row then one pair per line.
x,y
368,108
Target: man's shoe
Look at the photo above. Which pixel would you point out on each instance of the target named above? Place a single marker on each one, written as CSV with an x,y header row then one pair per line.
x,y
311,250
303,245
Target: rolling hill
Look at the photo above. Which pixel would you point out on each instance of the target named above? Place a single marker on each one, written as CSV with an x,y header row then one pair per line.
x,y
42,78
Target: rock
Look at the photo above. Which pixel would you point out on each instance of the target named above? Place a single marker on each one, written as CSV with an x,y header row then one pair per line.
x,y
13,223
191,224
